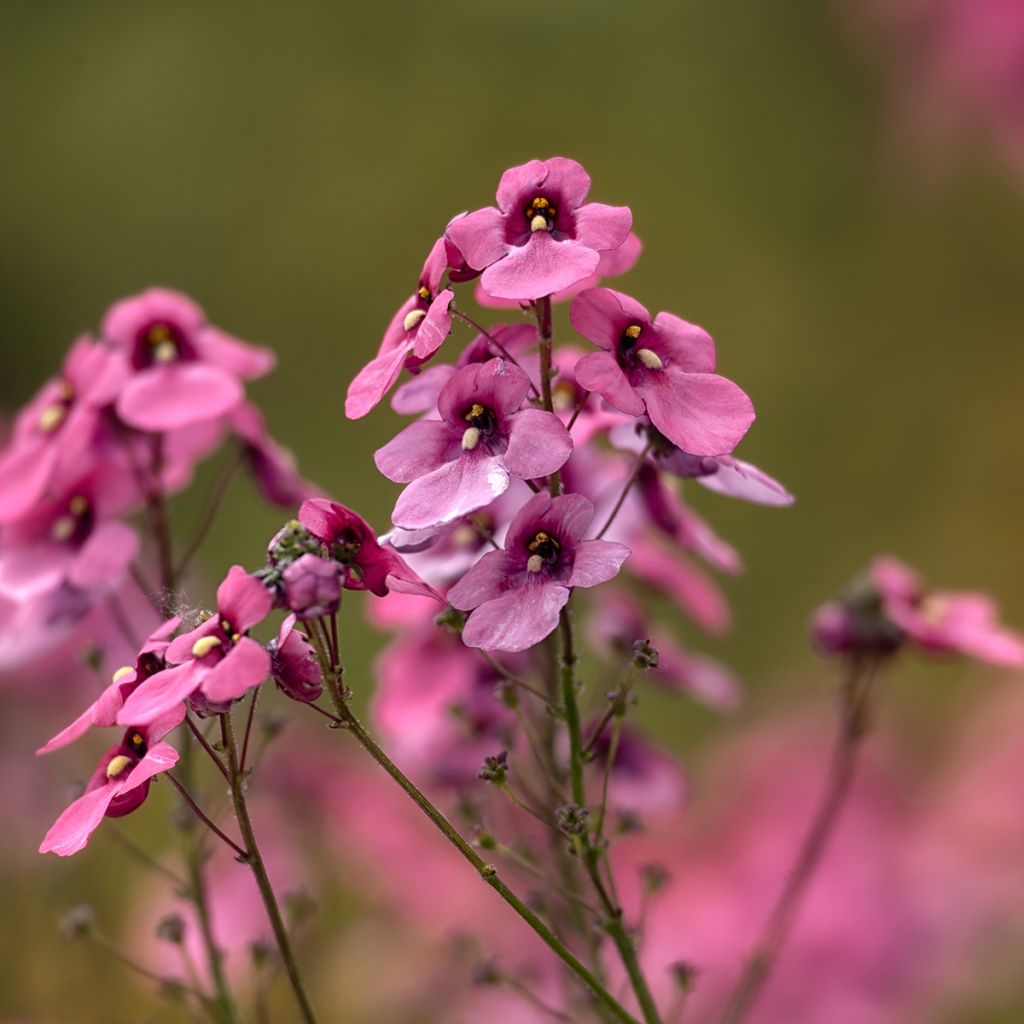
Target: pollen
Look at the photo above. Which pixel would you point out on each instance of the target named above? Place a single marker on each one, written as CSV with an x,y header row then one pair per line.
x,y
122,672
204,645
534,563
413,318
470,438
117,765
423,292
51,418
63,529
165,352
650,359
632,331
541,540
78,505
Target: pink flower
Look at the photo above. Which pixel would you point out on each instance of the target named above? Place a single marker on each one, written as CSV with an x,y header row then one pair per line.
x,y
465,460
105,709
612,263
543,236
273,467
53,434
517,593
664,367
365,564
945,621
312,586
293,664
218,659
72,539
117,787
186,370
415,333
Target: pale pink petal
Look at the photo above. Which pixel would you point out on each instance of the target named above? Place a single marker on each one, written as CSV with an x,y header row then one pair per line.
x,y
596,561
539,268
71,831
235,356
689,347
242,600
450,492
603,227
246,665
486,580
159,694
419,394
176,395
31,571
739,479
419,449
374,381
538,444
480,237
517,620
25,472
600,373
104,557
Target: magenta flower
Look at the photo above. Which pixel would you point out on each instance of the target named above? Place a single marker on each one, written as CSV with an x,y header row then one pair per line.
x,y
516,594
664,367
54,432
415,333
465,460
117,787
293,664
365,564
127,679
543,236
218,659
185,370
945,621
312,586
72,539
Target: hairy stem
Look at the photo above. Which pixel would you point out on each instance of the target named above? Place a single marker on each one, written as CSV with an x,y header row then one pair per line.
x,y
856,688
255,861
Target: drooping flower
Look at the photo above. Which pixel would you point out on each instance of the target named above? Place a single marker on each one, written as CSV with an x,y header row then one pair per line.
x,y
415,333
185,370
54,432
293,664
117,787
365,564
218,659
543,236
484,438
662,366
105,709
889,606
515,595
272,467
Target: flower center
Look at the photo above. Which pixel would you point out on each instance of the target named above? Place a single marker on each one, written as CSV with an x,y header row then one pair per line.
x,y
346,547
629,355
137,744
541,214
543,551
75,523
162,343
482,422
53,415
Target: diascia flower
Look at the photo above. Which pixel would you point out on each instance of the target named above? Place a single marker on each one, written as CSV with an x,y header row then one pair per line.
x,y
415,333
515,594
543,236
662,366
465,460
117,787
218,659
185,370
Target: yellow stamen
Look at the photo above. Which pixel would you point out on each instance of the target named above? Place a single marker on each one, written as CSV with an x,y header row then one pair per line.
x,y
159,333
51,418
542,538
204,645
118,765
632,331
412,318
423,292
78,505
650,359
122,672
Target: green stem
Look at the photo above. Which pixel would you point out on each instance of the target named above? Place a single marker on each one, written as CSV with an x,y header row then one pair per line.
x,y
259,871
487,872
571,707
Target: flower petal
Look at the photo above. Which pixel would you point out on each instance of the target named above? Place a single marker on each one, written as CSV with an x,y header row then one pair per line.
x,y
540,267
600,373
246,665
517,620
176,395
538,444
596,561
159,694
71,831
484,581
479,237
451,491
243,600
690,347
603,227
419,449
374,381
104,557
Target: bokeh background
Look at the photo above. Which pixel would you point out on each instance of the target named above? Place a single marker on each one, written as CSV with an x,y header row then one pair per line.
x,y
290,165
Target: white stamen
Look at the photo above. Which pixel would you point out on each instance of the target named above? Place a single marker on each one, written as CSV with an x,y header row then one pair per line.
x,y
539,223
470,438
165,352
118,765
534,563
413,317
204,645
63,529
51,418
124,670
650,359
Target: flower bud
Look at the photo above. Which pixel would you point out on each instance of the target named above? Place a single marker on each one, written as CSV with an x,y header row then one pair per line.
x,y
293,664
312,587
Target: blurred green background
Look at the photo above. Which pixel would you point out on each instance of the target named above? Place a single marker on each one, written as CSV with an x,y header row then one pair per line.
x,y
290,166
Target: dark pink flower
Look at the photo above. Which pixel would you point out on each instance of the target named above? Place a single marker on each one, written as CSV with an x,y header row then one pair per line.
x,y
365,564
293,664
105,709
945,621
117,787
662,366
484,438
312,586
72,539
543,236
218,659
415,333
516,594
54,432
185,370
